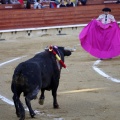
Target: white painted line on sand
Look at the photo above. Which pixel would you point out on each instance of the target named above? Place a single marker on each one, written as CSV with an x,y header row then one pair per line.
x,y
1,64
4,63
6,100
103,73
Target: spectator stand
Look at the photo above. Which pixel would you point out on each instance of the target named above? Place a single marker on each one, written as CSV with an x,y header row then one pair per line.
x,y
45,3
29,20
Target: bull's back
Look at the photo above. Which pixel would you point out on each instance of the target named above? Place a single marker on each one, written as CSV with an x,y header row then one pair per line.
x,y
37,71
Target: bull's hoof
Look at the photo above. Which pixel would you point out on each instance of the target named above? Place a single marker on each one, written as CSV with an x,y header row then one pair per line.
x,y
22,118
35,97
18,114
56,106
41,101
32,115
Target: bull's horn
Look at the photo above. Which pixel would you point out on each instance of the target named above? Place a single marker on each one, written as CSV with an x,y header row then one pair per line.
x,y
46,48
71,49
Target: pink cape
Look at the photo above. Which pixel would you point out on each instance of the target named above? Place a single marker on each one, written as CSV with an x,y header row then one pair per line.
x,y
101,40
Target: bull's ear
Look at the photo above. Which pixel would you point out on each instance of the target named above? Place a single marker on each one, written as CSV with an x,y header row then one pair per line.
x,y
61,48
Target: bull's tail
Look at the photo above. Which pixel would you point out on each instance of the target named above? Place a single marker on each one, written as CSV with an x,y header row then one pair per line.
x,y
20,112
17,80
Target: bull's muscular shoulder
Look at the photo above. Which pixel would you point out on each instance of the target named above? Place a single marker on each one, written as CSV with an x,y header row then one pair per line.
x,y
42,55
41,58
46,59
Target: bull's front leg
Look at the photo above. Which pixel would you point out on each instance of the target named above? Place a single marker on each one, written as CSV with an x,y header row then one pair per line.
x,y
54,94
42,97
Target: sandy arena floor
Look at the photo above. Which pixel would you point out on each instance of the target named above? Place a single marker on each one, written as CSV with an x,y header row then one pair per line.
x,y
83,94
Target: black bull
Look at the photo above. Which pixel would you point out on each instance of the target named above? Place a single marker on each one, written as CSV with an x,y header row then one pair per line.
x,y
42,72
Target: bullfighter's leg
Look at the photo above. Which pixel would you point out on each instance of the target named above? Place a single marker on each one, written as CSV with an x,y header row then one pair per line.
x,y
42,97
20,112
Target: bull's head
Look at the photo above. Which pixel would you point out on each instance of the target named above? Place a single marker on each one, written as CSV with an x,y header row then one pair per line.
x,y
66,50
60,52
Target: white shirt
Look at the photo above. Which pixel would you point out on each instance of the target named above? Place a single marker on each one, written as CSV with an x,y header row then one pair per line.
x,y
105,20
14,2
37,5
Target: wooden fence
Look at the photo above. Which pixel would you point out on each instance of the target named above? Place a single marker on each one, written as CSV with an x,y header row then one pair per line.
x,y
30,18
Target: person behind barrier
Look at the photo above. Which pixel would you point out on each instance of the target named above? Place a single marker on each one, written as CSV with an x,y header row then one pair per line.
x,y
38,4
21,1
54,3
29,2
83,2
70,4
62,4
5,1
14,2
118,2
